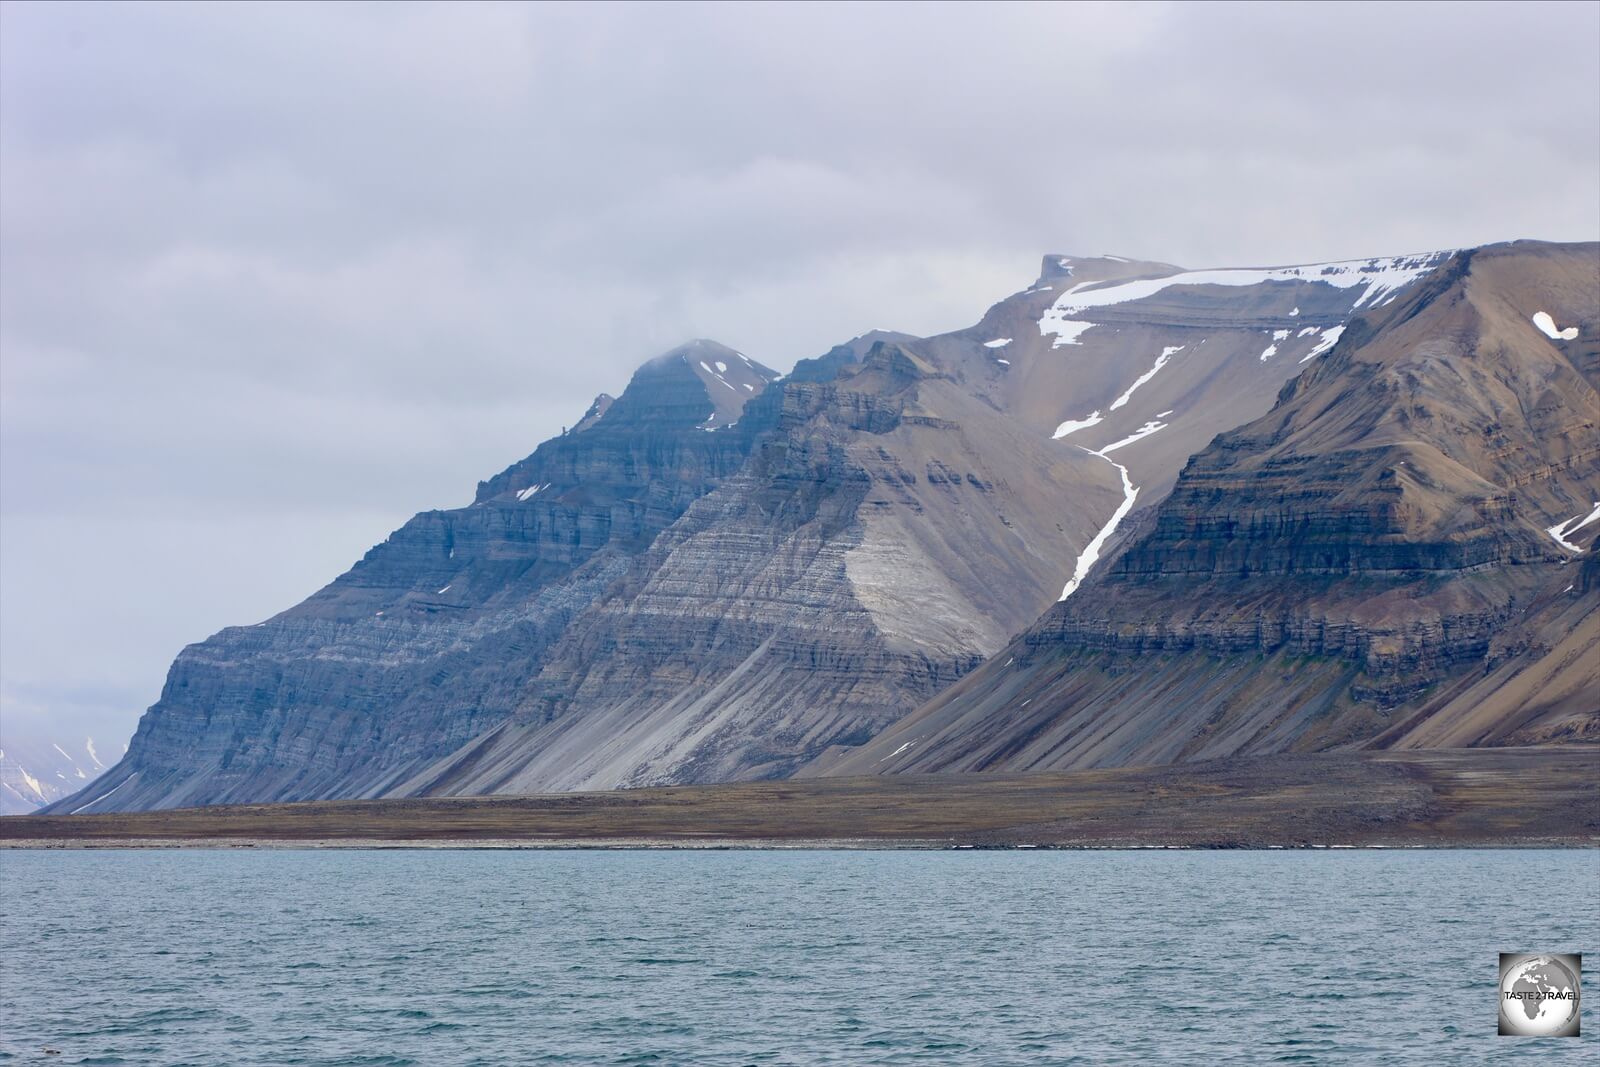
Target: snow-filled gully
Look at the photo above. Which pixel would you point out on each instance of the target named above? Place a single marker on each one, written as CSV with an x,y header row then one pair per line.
x,y
1130,493
1380,279
1091,552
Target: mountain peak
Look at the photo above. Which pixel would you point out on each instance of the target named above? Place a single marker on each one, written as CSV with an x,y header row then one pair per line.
x,y
727,376
697,348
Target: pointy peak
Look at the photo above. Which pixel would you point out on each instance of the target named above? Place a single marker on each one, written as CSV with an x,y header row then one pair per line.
x,y
699,348
709,359
698,371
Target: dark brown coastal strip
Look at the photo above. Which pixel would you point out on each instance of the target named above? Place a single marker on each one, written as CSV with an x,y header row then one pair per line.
x,y
1443,798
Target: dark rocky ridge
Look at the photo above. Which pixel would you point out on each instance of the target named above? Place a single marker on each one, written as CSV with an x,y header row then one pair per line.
x,y
1367,564
710,578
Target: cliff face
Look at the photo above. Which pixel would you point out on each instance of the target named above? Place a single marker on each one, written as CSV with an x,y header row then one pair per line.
x,y
877,545
720,575
1396,554
428,640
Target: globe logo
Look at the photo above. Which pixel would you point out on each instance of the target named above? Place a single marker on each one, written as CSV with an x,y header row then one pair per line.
x,y
1539,995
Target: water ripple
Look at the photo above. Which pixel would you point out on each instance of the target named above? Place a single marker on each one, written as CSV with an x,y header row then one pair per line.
x,y
381,959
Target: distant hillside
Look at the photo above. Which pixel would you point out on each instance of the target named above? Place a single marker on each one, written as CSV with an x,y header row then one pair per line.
x,y
34,772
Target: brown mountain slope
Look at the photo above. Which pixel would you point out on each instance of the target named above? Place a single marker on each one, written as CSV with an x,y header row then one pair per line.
x,y
1540,682
724,572
1370,563
912,514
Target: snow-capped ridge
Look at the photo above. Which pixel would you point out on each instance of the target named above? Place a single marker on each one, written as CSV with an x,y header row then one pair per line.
x,y
1381,277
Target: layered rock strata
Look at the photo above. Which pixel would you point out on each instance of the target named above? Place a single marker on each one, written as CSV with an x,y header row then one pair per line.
x,y
1397,554
723,575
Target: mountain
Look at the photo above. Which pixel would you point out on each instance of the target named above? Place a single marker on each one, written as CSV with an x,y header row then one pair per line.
x,y
35,772
723,574
1400,554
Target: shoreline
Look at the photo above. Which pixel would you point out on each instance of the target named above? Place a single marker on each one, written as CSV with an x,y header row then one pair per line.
x,y
1464,798
743,845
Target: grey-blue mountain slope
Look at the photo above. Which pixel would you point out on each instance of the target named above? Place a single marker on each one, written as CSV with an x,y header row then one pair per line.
x,y
724,574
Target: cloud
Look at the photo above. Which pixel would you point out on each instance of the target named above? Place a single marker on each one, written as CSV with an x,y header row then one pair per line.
x,y
314,267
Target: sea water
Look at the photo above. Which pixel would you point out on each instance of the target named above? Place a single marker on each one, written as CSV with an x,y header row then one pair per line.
x,y
777,957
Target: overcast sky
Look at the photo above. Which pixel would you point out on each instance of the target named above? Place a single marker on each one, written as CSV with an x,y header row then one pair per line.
x,y
274,278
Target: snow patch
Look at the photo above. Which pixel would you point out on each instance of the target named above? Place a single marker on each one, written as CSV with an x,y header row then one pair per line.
x,y
1330,338
1130,492
109,795
1381,279
897,751
524,495
1138,435
1067,331
1091,552
33,783
1074,425
998,342
446,589
88,744
721,366
1007,362
1545,323
1561,530
1308,331
1161,361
